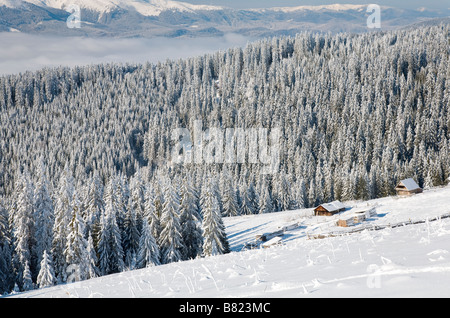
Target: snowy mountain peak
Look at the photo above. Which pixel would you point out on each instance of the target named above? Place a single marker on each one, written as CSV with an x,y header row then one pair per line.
x,y
144,7
181,19
95,5
330,7
11,3
155,7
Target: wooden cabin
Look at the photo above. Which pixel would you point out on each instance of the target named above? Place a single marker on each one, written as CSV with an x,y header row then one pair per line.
x,y
346,222
329,209
359,215
408,187
351,220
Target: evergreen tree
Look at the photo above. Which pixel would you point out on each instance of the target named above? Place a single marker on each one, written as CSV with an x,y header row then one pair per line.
x,y
190,221
23,228
94,205
150,214
27,280
63,214
171,240
230,201
301,195
44,218
46,276
428,181
249,200
111,256
103,247
312,201
76,245
265,200
214,237
148,253
131,236
284,193
137,194
6,270
92,260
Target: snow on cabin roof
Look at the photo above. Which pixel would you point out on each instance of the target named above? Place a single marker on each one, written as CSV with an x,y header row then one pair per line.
x,y
409,184
333,206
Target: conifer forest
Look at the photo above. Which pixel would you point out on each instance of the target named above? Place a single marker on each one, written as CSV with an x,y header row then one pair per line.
x,y
88,186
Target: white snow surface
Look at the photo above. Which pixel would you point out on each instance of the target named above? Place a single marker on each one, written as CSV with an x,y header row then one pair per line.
x,y
155,7
330,7
144,7
412,260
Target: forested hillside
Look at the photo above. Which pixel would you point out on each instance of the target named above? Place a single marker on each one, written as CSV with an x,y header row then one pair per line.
x,y
85,151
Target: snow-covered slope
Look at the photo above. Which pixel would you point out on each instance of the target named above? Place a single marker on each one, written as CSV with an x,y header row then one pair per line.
x,y
145,7
96,5
330,7
152,18
404,261
155,7
11,3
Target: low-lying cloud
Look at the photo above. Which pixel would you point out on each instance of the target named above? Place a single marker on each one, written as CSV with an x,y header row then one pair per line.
x,y
25,52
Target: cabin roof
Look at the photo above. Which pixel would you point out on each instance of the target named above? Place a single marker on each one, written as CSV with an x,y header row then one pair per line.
x,y
333,206
409,184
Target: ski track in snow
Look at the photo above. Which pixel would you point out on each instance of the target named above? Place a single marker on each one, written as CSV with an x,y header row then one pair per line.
x,y
407,261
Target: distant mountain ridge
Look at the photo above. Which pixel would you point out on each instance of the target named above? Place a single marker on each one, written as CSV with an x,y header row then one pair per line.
x,y
144,7
151,18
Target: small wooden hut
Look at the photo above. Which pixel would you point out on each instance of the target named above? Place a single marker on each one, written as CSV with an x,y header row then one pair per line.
x,y
329,209
408,187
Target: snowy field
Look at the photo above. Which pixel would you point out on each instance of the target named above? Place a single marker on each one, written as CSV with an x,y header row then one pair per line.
x,y
398,261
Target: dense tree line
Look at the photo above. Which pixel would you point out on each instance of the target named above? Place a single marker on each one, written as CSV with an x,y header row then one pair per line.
x,y
85,152
93,230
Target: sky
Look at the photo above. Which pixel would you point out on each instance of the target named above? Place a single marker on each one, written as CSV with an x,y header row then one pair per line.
x,y
410,4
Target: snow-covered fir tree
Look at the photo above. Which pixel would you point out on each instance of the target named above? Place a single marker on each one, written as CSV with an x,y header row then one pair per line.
x,y
94,205
131,234
148,252
46,276
76,245
27,280
190,220
92,259
170,239
43,217
6,270
23,230
230,201
150,214
265,199
109,244
249,203
215,241
63,213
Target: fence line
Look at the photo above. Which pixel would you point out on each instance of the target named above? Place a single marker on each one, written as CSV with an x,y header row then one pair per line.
x,y
374,227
